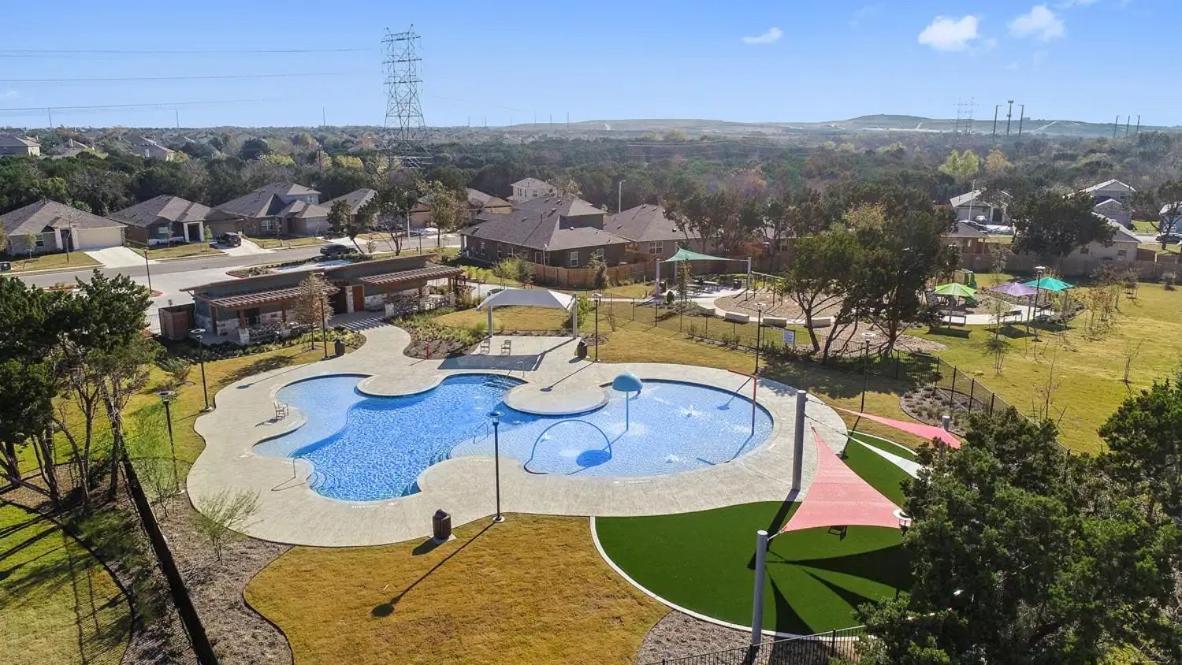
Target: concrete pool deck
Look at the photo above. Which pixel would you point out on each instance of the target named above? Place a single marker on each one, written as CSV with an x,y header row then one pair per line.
x,y
289,511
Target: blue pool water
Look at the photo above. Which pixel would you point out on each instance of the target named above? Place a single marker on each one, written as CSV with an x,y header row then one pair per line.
x,y
369,448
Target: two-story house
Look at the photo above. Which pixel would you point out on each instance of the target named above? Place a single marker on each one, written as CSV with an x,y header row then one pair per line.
x,y
528,189
277,209
1114,200
562,231
12,145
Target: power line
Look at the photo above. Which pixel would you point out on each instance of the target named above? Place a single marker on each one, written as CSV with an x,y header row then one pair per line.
x,y
144,105
33,52
193,77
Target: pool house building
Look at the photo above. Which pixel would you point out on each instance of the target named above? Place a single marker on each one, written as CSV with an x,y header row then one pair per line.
x,y
252,309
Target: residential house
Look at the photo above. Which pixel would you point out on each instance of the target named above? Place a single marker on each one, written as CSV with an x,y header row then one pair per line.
x,y
356,200
242,309
531,188
164,220
970,241
149,149
12,145
478,203
650,233
1171,217
278,209
49,226
982,207
69,148
563,231
1122,247
1114,200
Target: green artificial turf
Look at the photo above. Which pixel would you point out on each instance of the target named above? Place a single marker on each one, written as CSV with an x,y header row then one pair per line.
x,y
877,471
704,562
885,444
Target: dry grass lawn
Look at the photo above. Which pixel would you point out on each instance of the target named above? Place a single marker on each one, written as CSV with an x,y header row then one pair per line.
x,y
530,590
57,261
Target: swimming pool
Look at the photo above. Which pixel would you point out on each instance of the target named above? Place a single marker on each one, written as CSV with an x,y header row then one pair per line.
x,y
366,448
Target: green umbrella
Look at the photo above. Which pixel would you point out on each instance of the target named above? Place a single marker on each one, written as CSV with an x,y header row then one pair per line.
x,y
955,289
1052,284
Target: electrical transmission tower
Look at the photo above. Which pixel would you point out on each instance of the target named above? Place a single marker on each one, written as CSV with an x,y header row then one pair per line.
x,y
404,113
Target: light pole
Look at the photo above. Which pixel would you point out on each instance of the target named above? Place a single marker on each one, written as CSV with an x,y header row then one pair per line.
x,y
758,333
166,398
323,324
195,334
1038,273
147,268
597,297
865,374
761,541
496,423
620,196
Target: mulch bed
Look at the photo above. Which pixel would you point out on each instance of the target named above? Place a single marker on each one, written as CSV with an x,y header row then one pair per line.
x,y
678,635
928,403
434,348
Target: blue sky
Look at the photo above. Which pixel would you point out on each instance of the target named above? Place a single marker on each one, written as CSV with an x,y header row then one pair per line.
x,y
787,60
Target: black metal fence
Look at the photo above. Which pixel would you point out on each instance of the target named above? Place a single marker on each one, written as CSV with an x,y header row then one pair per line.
x,y
836,646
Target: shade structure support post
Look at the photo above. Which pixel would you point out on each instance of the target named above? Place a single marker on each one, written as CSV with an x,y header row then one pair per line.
x,y
802,398
657,280
490,322
574,319
761,540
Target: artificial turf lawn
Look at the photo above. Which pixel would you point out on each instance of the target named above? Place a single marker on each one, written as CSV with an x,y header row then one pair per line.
x,y
704,562
57,603
879,473
532,589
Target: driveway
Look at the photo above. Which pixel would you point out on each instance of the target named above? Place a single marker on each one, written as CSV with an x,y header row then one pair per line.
x,y
247,248
117,257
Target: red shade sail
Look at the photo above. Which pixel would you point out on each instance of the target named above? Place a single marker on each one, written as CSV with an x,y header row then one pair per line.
x,y
921,430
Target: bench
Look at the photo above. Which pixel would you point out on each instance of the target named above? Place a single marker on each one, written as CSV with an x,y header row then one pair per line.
x,y
737,317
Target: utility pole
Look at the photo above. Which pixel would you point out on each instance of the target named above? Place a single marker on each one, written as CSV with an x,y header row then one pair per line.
x,y
1115,125
1021,118
1128,120
50,112
995,109
1009,115
323,117
1138,123
177,114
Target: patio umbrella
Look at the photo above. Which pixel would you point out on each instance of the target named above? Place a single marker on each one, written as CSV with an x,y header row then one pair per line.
x,y
1052,284
1015,289
955,289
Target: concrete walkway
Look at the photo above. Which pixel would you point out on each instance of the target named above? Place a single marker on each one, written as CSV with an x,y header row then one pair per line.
x,y
290,512
118,257
247,248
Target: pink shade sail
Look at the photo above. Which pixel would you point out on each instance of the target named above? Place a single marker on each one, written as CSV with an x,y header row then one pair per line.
x,y
921,430
839,497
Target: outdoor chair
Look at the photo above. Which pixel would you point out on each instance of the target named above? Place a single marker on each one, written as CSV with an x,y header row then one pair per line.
x,y
507,347
280,410
485,346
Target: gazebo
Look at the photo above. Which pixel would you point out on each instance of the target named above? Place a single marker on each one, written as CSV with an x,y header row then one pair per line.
x,y
687,255
531,298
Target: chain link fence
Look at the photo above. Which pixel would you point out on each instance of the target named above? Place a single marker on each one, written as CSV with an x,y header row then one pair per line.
x,y
835,646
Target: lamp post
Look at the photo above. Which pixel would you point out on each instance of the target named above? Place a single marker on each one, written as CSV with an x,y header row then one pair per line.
x,y
597,297
758,333
195,335
1038,273
865,366
166,398
496,423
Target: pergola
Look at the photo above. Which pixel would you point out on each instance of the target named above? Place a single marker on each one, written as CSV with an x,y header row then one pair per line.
x,y
531,298
684,255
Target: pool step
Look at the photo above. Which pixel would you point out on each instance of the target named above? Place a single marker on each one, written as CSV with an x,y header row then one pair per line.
x,y
501,382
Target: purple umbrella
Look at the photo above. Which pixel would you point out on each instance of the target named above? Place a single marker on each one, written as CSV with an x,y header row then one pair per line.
x,y
1015,289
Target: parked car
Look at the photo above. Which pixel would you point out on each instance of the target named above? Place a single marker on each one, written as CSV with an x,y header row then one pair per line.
x,y
1169,238
335,250
230,239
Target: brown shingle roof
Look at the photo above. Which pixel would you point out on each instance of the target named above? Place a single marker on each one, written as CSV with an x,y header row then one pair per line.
x,y
550,223
36,217
255,298
645,223
416,274
264,201
161,208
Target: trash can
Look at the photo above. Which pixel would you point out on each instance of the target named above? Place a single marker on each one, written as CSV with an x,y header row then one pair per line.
x,y
441,525
339,347
581,350
5,266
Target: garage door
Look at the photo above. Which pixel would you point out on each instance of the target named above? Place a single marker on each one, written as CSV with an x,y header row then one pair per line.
x,y
85,239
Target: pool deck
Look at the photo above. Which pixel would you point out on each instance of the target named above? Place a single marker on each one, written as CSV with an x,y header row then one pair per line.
x,y
290,512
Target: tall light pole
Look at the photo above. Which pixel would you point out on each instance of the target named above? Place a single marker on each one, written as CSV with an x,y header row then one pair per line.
x,y
597,297
166,398
496,423
758,333
195,334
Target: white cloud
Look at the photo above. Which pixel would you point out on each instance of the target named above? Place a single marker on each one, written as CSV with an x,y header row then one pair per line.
x,y
950,34
772,35
1068,4
1040,23
9,94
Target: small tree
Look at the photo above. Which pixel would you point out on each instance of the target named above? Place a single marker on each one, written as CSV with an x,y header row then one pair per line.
x,y
311,307
961,166
177,369
996,163
449,211
342,221
222,516
683,280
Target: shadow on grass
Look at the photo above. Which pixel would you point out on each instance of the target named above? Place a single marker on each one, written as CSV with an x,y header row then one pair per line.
x,y
268,364
385,609
890,565
944,331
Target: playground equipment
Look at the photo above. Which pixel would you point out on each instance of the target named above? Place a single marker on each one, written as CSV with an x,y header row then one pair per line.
x,y
627,383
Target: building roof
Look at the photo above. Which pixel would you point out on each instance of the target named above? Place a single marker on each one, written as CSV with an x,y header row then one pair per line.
x,y
478,199
256,298
36,217
533,182
972,197
551,223
1171,208
645,223
963,229
427,272
1109,183
303,210
14,141
264,201
163,208
1120,233
356,199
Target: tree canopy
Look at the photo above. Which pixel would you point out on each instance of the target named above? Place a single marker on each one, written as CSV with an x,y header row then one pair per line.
x,y
1052,225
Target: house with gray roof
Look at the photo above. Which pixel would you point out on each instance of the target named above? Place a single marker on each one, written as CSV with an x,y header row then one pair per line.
x,y
983,207
562,231
164,220
12,145
651,233
278,209
1114,200
48,226
527,189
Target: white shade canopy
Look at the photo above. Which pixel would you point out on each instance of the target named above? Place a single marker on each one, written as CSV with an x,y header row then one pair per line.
x,y
527,298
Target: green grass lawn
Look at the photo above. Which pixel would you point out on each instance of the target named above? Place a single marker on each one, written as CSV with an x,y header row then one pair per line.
x,y
1083,375
177,251
293,241
57,603
704,562
880,474
56,261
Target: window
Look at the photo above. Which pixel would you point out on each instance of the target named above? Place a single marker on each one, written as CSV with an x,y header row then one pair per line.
x,y
573,261
654,248
1122,252
40,242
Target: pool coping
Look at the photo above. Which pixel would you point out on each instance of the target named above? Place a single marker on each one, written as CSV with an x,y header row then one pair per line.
x,y
291,512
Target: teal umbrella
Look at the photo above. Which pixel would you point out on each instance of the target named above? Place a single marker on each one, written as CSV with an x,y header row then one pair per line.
x,y
1052,284
955,289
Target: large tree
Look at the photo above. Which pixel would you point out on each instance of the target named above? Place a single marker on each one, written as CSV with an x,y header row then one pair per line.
x,y
825,279
342,222
1023,553
793,215
1163,203
449,207
1144,440
1052,225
